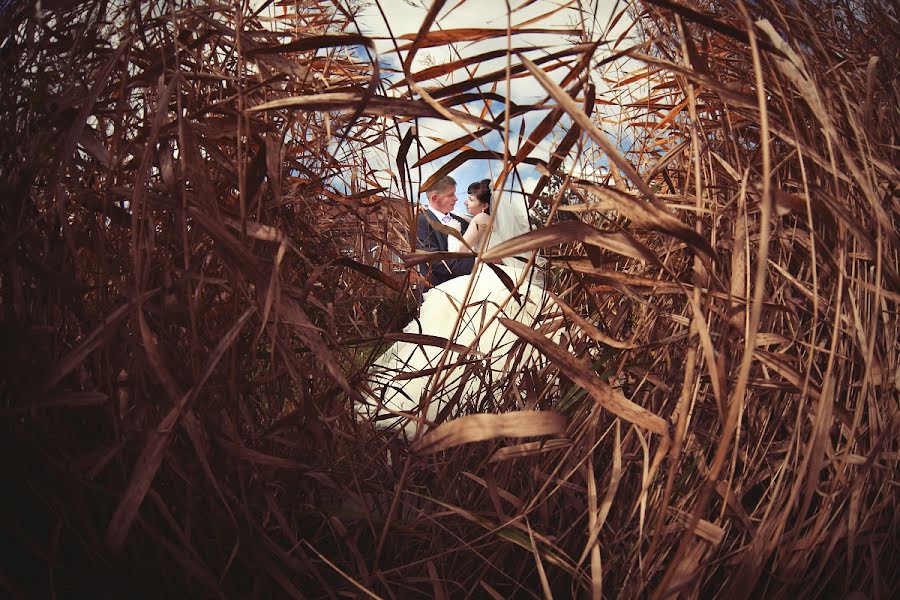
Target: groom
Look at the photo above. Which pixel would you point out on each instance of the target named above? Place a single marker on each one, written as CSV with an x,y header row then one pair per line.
x,y
441,200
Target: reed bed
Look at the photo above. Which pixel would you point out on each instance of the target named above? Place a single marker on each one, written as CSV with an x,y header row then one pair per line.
x,y
201,263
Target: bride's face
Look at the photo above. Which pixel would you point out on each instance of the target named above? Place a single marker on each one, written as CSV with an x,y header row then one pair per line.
x,y
474,205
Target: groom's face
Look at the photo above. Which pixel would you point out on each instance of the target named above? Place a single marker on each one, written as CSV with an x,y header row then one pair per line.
x,y
443,200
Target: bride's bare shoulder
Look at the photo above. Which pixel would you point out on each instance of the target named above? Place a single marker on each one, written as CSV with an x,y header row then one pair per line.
x,y
481,219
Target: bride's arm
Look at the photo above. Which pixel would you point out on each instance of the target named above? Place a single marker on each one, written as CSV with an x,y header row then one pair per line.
x,y
476,230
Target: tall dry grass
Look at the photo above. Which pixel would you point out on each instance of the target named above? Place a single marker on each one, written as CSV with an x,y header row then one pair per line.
x,y
190,306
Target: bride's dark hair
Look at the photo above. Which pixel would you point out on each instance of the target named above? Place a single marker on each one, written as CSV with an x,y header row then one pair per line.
x,y
481,190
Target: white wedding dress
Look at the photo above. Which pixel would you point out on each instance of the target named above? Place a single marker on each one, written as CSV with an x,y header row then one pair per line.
x,y
430,372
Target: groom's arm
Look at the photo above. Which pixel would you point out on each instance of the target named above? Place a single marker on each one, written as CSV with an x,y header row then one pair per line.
x,y
433,272
461,266
440,270
424,238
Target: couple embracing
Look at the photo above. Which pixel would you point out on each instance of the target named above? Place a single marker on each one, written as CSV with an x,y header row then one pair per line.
x,y
441,201
412,383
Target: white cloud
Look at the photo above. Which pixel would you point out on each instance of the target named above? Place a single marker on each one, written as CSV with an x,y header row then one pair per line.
x,y
528,183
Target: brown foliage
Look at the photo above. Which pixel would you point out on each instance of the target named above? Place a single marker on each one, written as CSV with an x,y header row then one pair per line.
x,y
187,285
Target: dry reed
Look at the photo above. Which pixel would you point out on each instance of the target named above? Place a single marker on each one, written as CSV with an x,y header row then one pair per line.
x,y
188,288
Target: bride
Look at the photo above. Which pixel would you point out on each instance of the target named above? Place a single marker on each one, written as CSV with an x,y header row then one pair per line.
x,y
478,204
455,355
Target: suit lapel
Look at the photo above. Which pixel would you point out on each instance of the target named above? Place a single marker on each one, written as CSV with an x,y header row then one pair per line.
x,y
439,238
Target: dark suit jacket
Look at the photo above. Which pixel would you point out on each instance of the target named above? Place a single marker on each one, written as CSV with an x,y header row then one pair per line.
x,y
429,238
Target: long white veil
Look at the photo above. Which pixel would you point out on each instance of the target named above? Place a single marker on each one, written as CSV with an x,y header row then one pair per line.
x,y
510,219
510,214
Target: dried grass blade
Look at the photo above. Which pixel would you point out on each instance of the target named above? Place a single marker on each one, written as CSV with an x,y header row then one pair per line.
x,y
315,42
671,155
545,584
90,343
447,68
528,449
355,583
382,106
537,135
198,439
436,584
592,547
565,146
415,258
568,232
151,456
450,147
553,556
371,272
581,373
606,504
613,277
474,34
588,327
514,72
291,313
469,155
649,215
709,21
261,458
424,28
429,340
587,125
259,231
187,560
481,427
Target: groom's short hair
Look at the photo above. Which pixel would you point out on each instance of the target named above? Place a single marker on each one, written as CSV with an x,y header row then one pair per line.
x,y
443,185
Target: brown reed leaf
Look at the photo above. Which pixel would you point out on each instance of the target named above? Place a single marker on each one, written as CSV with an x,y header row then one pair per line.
x,y
528,449
517,70
90,343
567,104
565,233
315,42
581,373
151,456
645,215
481,427
473,34
462,158
440,70
429,340
139,163
460,143
370,105
412,259
589,328
706,20
546,551
370,272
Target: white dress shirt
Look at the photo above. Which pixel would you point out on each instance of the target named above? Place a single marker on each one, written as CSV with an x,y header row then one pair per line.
x,y
453,244
446,219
